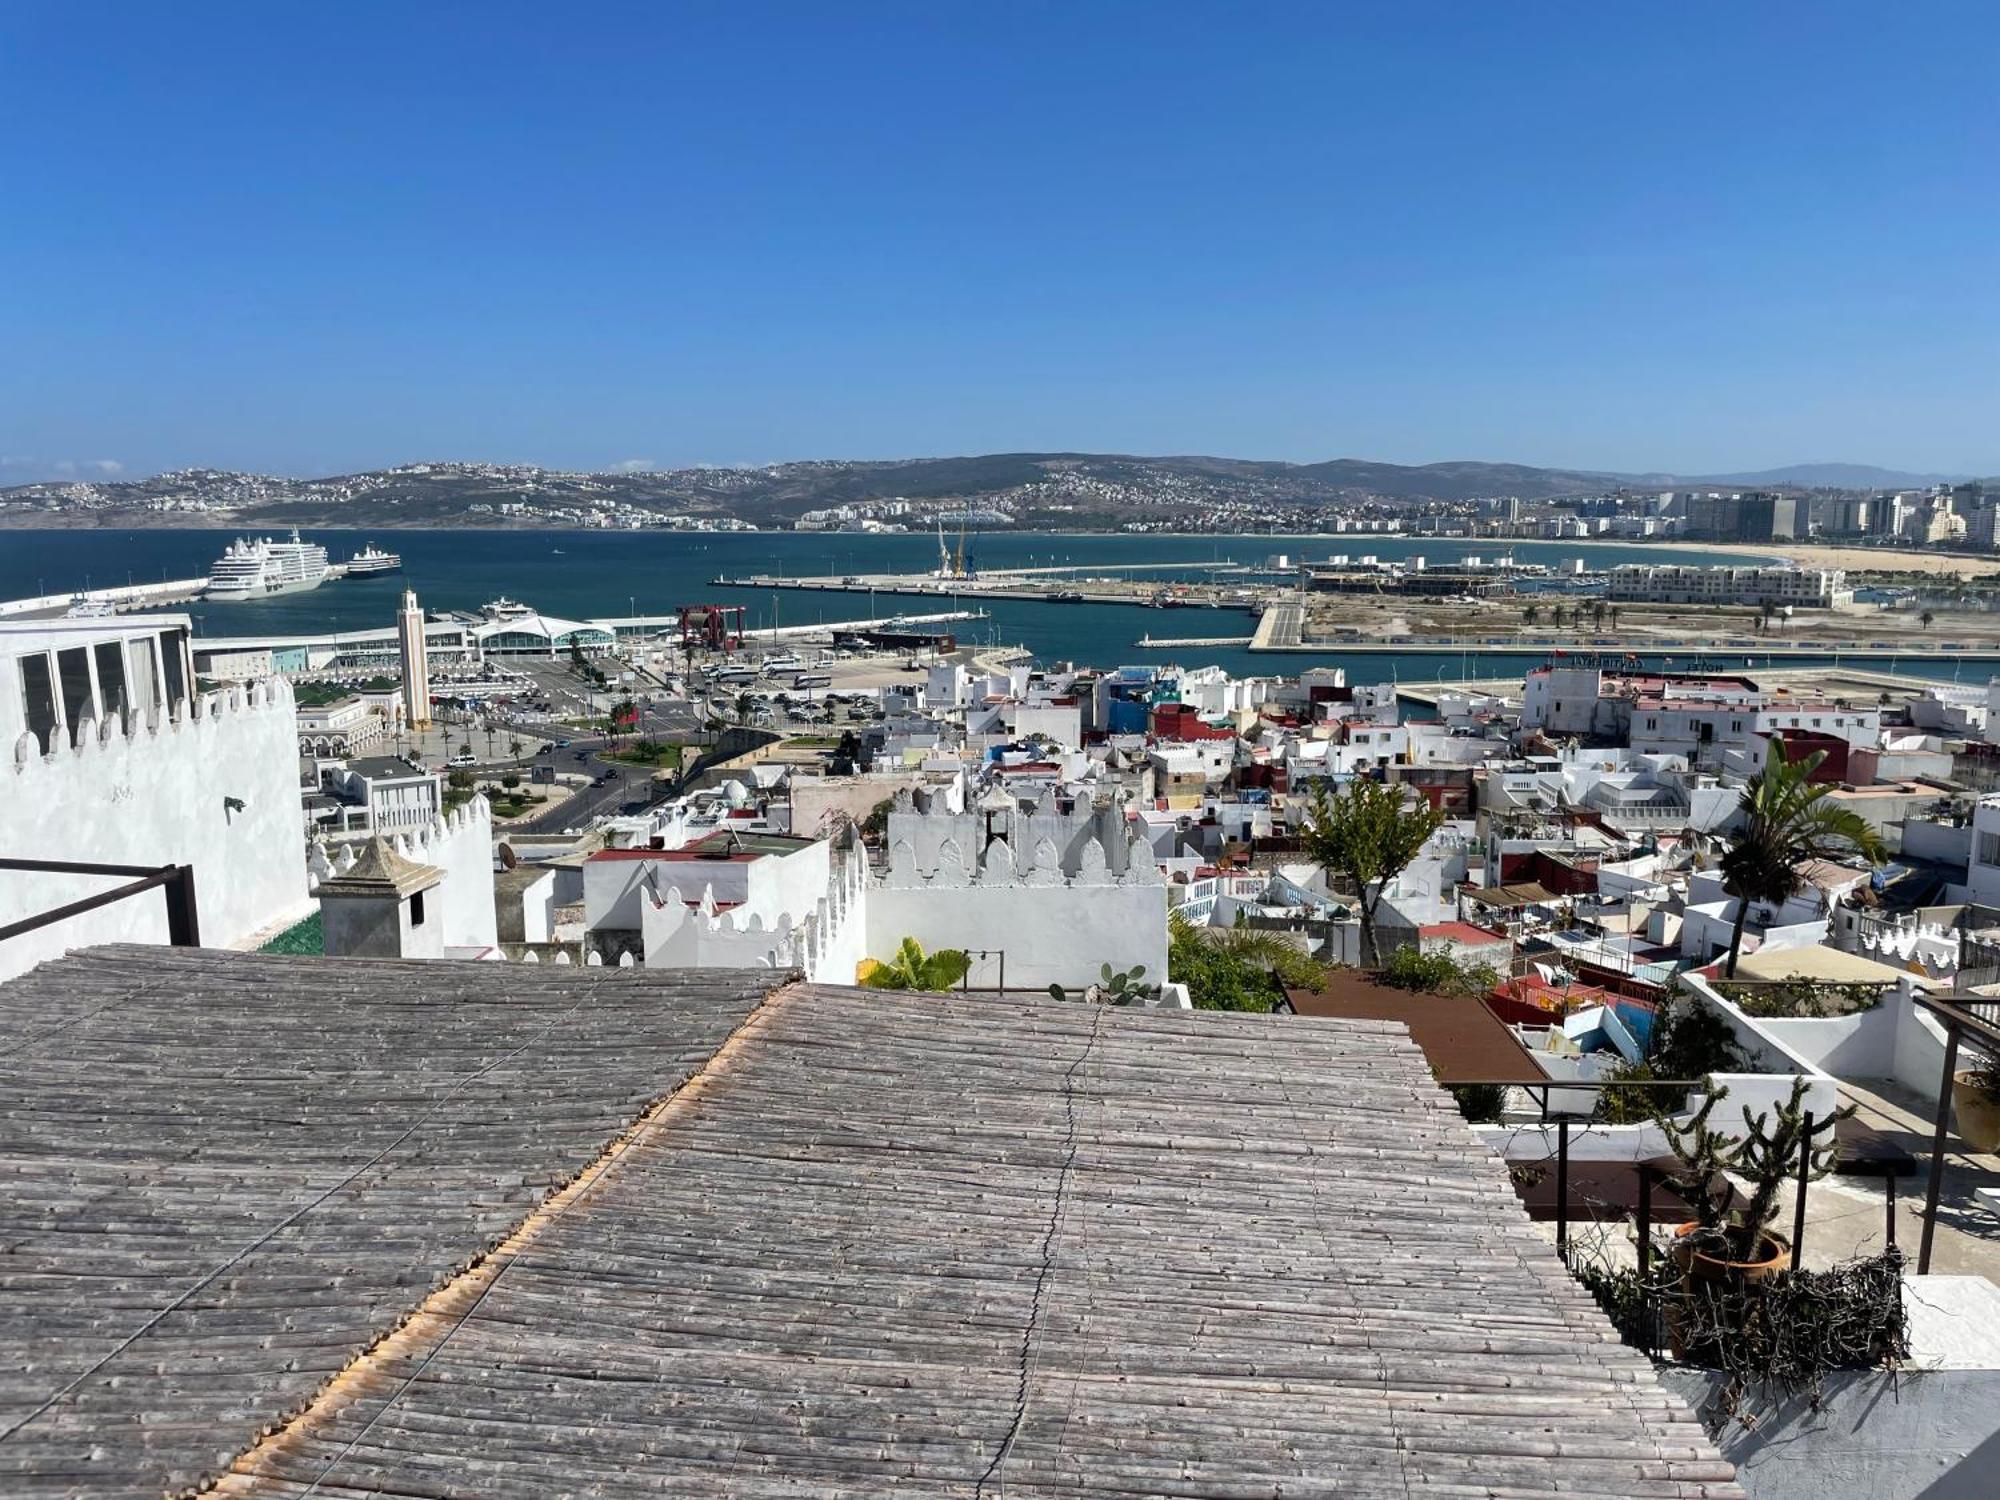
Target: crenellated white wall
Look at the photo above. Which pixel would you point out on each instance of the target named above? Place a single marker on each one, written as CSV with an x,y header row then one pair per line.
x,y
154,793
826,938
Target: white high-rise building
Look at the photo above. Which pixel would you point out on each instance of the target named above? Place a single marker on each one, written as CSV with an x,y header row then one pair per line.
x,y
416,663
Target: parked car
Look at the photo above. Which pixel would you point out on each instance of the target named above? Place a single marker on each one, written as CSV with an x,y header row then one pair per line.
x,y
462,759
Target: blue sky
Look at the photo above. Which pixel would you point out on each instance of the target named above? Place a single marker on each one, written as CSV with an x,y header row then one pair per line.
x,y
316,238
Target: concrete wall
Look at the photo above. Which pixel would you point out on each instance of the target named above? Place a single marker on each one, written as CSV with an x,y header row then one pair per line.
x,y
1053,934
364,927
156,796
1923,1435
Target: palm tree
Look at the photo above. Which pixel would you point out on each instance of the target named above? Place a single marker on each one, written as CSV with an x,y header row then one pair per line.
x,y
1597,614
1926,618
1614,617
1787,822
1532,614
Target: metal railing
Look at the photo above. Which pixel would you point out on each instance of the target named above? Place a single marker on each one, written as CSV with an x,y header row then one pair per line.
x,y
175,882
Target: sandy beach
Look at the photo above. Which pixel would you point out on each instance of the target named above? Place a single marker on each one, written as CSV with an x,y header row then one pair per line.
x,y
1854,559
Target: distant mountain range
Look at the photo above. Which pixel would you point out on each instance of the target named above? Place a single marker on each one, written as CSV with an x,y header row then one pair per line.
x,y
1031,489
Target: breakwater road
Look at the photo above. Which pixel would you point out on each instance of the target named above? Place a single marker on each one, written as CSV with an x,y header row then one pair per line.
x,y
1281,628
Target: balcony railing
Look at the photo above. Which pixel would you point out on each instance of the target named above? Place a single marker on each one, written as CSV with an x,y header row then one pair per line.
x,y
175,882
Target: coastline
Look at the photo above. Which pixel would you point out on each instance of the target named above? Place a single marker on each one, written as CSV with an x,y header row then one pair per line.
x,y
1807,554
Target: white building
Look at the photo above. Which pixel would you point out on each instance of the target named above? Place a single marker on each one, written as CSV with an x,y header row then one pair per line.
x,y
397,796
1797,588
347,726
108,757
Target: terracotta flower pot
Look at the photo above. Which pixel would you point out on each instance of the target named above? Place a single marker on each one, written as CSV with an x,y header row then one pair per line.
x,y
1700,1265
1977,1113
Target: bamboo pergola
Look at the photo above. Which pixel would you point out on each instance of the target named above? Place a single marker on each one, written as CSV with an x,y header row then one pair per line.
x,y
223,1175
917,1245
466,1230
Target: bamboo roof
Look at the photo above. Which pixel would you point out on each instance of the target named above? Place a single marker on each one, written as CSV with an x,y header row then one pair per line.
x,y
223,1175
926,1245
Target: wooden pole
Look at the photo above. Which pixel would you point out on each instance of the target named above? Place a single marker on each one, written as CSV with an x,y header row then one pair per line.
x,y
1645,1218
1562,1188
1937,1149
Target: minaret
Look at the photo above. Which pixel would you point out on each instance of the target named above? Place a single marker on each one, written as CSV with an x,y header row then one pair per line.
x,y
416,663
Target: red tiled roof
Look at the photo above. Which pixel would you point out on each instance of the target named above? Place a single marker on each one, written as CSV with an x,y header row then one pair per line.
x,y
1460,932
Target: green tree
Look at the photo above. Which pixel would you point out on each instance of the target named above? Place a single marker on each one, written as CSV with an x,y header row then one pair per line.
x,y
1366,835
1926,618
1786,822
514,748
1532,615
914,969
1598,612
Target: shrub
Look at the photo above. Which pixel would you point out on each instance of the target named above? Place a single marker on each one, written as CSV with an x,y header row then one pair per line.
x,y
1411,968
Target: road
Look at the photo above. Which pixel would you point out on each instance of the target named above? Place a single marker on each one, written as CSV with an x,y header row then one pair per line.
x,y
626,784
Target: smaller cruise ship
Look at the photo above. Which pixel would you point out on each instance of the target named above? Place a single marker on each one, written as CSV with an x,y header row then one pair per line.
x,y
371,560
261,568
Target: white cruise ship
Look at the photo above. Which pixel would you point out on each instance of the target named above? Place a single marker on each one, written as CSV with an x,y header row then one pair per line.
x,y
258,569
370,560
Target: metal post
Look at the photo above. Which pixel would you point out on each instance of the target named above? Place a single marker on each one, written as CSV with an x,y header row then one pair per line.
x,y
1003,973
183,919
1562,1188
1937,1149
1799,1208
1890,1200
1645,1219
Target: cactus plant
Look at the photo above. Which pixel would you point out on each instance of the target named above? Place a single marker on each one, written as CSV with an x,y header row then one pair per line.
x,y
1767,1155
1115,987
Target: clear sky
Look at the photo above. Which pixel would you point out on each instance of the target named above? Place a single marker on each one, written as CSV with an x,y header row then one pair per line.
x,y
309,238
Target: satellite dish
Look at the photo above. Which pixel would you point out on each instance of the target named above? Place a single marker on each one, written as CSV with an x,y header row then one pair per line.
x,y
507,858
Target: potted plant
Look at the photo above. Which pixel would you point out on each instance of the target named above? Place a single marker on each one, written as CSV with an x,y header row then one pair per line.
x,y
1731,1238
1975,1104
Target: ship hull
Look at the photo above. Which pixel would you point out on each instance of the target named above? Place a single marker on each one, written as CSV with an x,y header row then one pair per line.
x,y
244,593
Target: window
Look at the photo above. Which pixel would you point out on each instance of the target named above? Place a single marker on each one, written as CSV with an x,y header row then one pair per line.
x,y
416,908
144,686
38,698
111,678
1989,848
170,658
73,672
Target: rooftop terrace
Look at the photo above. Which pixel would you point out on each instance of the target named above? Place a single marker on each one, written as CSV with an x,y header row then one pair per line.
x,y
802,1241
